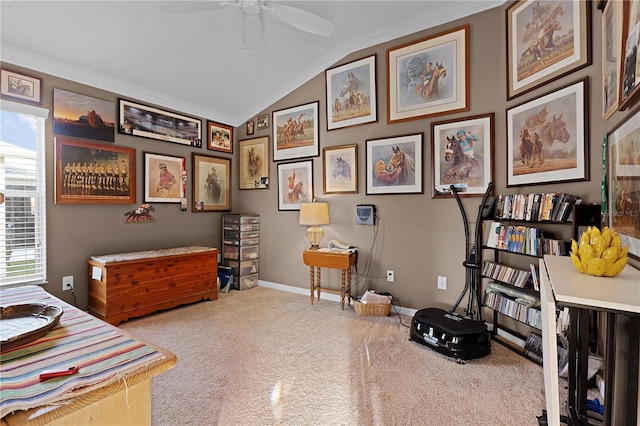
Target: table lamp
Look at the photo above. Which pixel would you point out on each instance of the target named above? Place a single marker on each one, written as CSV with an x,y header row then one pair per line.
x,y
314,214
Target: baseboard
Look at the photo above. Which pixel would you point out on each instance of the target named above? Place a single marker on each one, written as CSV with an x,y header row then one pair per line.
x,y
328,296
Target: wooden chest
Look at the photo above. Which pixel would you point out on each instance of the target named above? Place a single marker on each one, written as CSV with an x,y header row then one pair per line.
x,y
129,285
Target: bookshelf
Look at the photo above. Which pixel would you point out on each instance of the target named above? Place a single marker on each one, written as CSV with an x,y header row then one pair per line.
x,y
522,229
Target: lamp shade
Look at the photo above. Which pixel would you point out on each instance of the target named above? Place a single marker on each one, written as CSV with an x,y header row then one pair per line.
x,y
314,214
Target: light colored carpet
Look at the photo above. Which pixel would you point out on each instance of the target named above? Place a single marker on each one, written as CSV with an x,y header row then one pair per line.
x,y
269,357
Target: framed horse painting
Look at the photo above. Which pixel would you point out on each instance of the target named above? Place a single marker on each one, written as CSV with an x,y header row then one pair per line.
x,y
351,94
295,132
253,163
211,183
546,40
394,165
462,155
340,169
295,184
547,137
429,77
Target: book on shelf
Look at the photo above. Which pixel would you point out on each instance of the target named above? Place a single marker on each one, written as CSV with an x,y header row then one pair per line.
x,y
494,233
535,207
534,277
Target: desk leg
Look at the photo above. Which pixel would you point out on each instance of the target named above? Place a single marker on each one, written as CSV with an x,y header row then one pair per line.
x,y
318,282
342,288
311,283
349,285
549,350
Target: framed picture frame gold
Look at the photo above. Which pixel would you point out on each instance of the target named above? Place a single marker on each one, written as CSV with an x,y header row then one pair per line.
x,y
416,83
253,163
340,169
211,183
545,41
94,173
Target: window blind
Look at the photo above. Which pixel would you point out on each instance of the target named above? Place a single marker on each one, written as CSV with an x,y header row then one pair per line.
x,y
22,185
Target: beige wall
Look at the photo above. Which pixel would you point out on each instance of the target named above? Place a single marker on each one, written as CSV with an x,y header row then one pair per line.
x,y
418,237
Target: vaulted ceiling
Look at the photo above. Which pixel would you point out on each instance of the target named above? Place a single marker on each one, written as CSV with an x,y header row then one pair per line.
x,y
195,62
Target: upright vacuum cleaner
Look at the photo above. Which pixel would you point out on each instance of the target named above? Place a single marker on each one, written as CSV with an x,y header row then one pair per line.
x,y
455,335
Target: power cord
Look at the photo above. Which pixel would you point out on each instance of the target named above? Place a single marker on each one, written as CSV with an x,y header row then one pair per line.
x,y
75,301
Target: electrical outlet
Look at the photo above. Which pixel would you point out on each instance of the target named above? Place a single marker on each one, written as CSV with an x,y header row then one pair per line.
x,y
67,283
442,283
391,276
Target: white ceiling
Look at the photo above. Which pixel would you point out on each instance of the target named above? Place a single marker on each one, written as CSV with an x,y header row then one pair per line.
x,y
194,63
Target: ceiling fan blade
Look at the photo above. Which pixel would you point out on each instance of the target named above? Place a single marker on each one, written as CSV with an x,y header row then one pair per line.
x,y
252,32
302,19
179,7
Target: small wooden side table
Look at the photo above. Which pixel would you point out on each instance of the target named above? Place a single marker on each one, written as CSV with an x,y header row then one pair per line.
x,y
316,259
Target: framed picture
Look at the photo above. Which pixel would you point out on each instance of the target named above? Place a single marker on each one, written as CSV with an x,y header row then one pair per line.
x,y
394,165
165,178
253,160
154,123
262,122
417,87
462,155
545,41
351,94
295,184
220,137
623,184
20,87
250,127
629,76
295,132
547,138
83,116
211,183
94,173
611,46
340,169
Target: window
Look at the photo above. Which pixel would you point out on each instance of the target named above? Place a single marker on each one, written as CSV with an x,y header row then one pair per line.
x,y
23,245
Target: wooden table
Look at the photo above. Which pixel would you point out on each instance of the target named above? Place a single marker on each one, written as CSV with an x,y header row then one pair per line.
x,y
562,284
316,260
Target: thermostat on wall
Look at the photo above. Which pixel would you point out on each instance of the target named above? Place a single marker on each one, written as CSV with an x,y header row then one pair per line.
x,y
365,214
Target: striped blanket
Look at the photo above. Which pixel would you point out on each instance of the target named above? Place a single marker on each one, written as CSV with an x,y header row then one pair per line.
x,y
102,352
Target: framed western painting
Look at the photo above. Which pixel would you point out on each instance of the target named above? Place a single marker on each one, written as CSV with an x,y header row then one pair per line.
x,y
83,116
295,132
94,173
351,93
394,165
429,77
340,169
253,160
629,76
295,184
611,45
165,178
220,137
20,87
154,123
211,183
545,41
547,138
623,158
462,155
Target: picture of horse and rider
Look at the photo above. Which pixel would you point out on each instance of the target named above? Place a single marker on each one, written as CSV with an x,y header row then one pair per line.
x,y
295,128
394,165
545,36
426,77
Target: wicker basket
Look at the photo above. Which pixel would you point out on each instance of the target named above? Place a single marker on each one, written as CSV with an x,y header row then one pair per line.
x,y
377,309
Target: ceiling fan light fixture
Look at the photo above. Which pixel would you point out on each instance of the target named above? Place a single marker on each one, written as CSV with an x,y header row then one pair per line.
x,y
251,7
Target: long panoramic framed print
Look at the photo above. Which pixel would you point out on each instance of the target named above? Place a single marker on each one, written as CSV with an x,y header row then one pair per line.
x,y
154,123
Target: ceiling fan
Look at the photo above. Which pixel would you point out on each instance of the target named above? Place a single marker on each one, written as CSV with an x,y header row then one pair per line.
x,y
252,26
